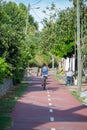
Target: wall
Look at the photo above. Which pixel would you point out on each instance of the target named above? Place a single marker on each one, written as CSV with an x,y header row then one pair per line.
x,y
7,83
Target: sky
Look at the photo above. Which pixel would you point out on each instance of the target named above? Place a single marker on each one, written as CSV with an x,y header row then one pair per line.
x,y
37,13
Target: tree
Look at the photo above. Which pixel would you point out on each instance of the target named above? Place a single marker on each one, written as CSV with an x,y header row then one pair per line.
x,y
12,36
83,27
5,70
58,34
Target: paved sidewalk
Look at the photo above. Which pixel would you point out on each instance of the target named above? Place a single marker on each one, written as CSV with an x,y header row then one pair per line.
x,y
51,109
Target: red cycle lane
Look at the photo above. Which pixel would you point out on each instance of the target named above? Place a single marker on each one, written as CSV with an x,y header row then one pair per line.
x,y
51,109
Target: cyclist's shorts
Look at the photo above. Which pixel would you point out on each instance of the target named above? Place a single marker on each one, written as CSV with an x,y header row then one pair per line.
x,y
45,76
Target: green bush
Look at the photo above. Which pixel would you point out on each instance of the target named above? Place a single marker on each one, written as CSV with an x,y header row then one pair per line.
x,y
17,76
4,69
7,103
33,63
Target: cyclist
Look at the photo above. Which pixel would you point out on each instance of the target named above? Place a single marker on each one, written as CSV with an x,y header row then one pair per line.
x,y
44,75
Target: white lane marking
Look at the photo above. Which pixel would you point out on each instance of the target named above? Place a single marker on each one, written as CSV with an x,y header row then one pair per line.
x,y
51,119
50,104
53,129
49,99
47,91
50,110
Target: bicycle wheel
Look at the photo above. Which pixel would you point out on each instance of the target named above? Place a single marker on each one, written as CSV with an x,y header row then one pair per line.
x,y
44,83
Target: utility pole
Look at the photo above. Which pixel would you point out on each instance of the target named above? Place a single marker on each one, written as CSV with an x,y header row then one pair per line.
x,y
78,46
52,61
28,8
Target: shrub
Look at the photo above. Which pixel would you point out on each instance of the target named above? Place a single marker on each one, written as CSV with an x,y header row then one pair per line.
x,y
4,69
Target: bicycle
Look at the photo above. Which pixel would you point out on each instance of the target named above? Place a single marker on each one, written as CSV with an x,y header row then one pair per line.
x,y
44,82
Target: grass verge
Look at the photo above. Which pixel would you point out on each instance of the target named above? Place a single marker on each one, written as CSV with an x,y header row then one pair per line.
x,y
7,103
77,96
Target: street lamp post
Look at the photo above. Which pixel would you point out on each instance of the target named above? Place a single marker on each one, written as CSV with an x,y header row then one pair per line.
x,y
78,46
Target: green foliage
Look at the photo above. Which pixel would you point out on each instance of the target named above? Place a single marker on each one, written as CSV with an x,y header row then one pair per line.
x,y
43,58
14,47
33,63
17,76
57,37
58,34
84,49
5,70
77,95
6,105
60,31
4,122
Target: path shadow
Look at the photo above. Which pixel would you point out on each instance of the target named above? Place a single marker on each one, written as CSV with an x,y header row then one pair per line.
x,y
32,114
37,85
28,116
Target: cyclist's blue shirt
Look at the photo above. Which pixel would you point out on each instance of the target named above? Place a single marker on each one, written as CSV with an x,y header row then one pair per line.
x,y
45,71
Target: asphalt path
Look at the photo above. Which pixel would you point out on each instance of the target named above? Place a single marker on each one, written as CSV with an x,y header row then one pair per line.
x,y
51,109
